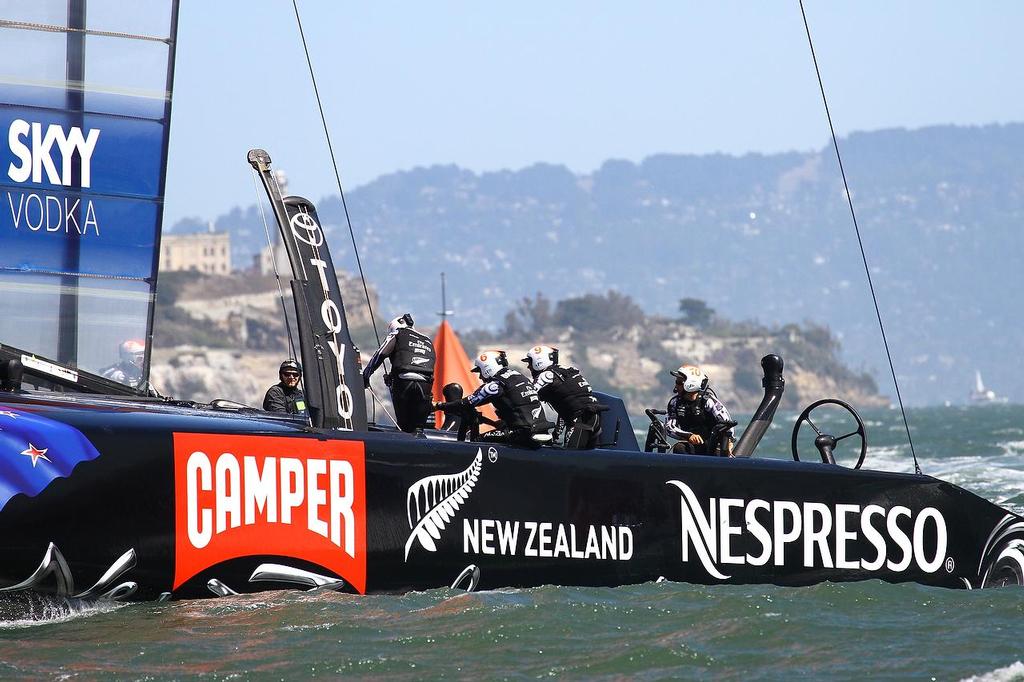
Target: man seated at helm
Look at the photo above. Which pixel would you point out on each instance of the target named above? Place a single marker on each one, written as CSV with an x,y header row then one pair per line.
x,y
566,389
411,377
513,396
696,416
131,359
286,396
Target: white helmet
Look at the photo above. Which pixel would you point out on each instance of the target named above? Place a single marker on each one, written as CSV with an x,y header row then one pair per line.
x,y
694,379
539,358
403,322
489,363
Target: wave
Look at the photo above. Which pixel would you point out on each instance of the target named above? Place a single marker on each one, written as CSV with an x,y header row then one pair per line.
x,y
29,609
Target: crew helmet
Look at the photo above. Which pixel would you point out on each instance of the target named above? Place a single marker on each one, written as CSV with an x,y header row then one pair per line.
x,y
489,363
132,352
403,322
693,377
539,358
290,365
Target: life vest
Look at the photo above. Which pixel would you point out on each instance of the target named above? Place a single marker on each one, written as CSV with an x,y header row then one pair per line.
x,y
693,416
518,405
569,393
413,353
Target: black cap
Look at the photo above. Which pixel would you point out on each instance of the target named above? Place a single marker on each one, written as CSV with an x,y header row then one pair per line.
x,y
290,364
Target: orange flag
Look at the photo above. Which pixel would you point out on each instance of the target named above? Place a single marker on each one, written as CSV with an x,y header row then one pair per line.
x,y
453,365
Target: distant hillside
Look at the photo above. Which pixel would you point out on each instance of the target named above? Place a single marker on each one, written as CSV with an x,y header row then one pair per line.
x,y
761,237
224,337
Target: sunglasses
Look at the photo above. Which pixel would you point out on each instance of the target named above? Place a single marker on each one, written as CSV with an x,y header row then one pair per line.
x,y
294,375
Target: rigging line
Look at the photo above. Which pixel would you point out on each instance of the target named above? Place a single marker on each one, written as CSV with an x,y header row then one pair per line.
x,y
337,175
273,260
860,242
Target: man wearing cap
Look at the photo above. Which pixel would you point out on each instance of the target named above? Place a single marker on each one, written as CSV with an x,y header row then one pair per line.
x,y
286,396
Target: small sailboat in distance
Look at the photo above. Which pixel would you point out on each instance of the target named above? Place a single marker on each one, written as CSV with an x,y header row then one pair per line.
x,y
982,395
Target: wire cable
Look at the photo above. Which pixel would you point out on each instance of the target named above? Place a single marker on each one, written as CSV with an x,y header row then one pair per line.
x,y
860,242
337,175
277,275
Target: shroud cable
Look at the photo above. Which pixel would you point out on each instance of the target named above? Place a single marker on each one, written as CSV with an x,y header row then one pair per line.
x,y
856,227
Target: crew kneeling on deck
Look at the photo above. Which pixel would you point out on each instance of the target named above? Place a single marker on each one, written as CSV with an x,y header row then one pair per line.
x,y
514,399
412,372
566,389
697,417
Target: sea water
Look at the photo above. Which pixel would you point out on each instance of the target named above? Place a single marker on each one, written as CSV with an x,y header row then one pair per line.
x,y
650,631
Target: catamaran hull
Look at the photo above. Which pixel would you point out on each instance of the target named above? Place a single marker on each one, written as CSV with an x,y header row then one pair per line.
x,y
179,502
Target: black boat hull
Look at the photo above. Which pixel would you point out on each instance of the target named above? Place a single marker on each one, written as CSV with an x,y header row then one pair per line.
x,y
195,503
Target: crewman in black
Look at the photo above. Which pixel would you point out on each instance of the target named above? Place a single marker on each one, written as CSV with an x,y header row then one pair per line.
x,y
697,417
566,389
514,398
412,372
460,416
286,396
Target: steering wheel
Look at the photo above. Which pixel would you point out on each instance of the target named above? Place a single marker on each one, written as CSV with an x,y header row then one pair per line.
x,y
825,442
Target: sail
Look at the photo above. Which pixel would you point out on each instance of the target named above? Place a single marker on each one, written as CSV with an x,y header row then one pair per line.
x,y
85,101
453,366
979,387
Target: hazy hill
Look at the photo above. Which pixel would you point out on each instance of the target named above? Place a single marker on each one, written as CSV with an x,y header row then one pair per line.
x,y
764,237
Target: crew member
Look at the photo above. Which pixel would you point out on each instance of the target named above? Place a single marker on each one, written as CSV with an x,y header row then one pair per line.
x,y
566,389
697,417
131,359
514,398
286,396
460,416
412,372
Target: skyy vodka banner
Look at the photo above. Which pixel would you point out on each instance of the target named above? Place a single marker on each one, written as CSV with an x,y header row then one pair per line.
x,y
85,96
92,180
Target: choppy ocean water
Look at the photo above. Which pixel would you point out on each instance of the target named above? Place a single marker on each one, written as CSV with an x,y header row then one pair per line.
x,y
649,631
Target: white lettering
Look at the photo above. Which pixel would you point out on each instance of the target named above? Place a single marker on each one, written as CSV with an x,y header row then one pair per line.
x,y
819,536
38,158
873,536
727,530
844,536
530,550
342,515
902,541
759,532
228,498
940,540
470,536
18,130
260,489
41,159
291,488
316,496
781,536
198,466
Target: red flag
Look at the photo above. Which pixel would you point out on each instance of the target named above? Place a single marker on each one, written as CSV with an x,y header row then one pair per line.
x,y
453,365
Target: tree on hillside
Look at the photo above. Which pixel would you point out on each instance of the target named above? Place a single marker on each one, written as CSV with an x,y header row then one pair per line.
x,y
594,312
529,318
696,312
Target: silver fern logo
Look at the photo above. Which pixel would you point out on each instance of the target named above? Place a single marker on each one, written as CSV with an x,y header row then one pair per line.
x,y
432,503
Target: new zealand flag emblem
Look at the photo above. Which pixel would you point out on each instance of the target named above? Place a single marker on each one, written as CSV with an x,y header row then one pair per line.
x,y
35,450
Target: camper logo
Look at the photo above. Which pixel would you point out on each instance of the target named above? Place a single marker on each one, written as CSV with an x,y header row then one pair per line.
x,y
725,532
238,496
432,502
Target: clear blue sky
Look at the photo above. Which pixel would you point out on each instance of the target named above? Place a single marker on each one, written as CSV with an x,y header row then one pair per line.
x,y
487,86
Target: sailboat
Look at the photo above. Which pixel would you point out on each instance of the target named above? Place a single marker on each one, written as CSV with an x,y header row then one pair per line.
x,y
108,490
982,395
